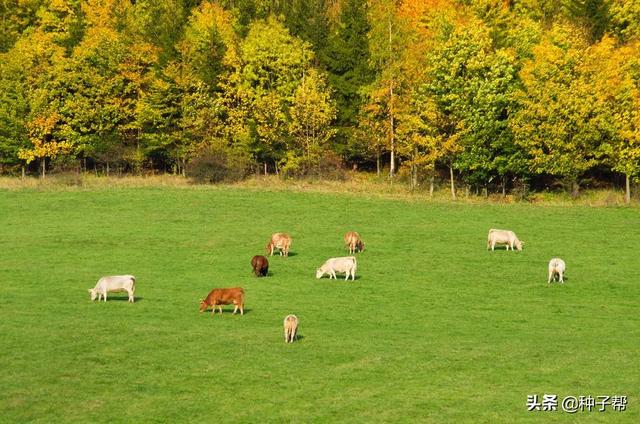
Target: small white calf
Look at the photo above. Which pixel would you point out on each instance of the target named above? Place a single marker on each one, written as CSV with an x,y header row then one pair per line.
x,y
114,283
556,270
290,328
345,264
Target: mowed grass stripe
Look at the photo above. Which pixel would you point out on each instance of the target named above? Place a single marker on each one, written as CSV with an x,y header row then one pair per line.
x,y
435,327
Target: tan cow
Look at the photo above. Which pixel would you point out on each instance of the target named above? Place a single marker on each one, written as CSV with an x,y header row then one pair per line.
x,y
503,237
290,328
556,269
219,297
354,242
281,241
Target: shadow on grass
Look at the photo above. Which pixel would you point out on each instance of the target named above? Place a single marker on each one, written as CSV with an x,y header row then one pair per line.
x,y
121,299
277,255
503,247
325,277
298,338
226,312
564,277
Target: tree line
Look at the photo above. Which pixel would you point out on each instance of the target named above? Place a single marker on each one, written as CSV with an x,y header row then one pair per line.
x,y
487,92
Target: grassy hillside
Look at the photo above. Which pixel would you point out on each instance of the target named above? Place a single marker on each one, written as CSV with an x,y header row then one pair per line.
x,y
434,329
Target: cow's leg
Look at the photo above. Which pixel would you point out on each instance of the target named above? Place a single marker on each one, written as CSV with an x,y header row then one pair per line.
x,y
220,309
550,276
561,277
104,295
242,309
235,308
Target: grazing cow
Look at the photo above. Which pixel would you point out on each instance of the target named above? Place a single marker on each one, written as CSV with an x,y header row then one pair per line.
x,y
281,241
353,242
346,264
556,270
260,266
290,328
114,283
219,297
503,237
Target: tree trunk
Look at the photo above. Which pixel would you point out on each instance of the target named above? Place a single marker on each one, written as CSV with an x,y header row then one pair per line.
x,y
265,168
575,189
44,167
392,165
378,161
431,183
22,170
107,168
627,192
504,186
414,177
453,187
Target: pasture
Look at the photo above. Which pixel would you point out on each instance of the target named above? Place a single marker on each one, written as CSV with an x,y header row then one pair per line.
x,y
435,328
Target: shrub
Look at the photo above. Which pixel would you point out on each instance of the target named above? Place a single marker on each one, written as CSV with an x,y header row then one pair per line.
x,y
215,164
326,165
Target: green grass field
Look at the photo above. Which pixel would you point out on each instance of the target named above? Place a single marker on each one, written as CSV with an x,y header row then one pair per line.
x,y
434,329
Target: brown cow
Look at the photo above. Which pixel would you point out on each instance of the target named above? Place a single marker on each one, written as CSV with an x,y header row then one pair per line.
x,y
353,242
219,297
260,266
280,241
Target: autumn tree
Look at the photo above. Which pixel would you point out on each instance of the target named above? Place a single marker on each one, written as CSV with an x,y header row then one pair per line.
x,y
557,123
270,67
615,71
311,111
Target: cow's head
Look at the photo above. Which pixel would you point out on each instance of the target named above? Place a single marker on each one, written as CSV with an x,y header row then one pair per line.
x,y
203,305
93,293
268,247
360,245
519,245
319,273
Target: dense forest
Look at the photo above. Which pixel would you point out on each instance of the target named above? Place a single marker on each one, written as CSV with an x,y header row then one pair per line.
x,y
492,94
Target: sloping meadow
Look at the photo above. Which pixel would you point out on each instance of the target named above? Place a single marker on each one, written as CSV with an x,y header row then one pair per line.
x,y
435,328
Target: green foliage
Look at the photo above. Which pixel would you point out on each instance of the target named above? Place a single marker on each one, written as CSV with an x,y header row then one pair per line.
x,y
625,19
471,85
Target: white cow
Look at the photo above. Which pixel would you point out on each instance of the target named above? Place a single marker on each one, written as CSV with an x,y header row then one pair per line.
x,y
346,264
290,328
503,237
114,283
556,268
